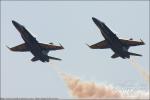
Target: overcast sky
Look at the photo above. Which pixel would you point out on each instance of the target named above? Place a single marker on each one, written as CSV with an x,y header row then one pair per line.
x,y
70,24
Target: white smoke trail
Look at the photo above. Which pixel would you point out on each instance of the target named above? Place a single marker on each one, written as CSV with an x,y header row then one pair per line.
x,y
141,71
90,90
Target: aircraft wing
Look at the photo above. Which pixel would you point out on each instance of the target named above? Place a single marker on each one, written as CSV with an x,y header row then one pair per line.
x,y
50,47
100,45
21,48
131,42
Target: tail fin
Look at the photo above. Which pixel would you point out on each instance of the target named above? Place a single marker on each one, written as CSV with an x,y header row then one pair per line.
x,y
134,54
54,58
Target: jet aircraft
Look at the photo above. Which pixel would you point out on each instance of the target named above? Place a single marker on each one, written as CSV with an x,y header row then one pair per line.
x,y
119,46
38,50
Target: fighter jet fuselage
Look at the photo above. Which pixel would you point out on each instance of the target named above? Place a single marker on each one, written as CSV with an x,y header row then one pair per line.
x,y
119,46
114,42
39,50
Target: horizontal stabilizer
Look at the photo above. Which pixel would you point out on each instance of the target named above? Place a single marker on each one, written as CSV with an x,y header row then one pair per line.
x,y
53,58
134,54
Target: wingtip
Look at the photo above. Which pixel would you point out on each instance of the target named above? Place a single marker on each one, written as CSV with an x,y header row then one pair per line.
x,y
142,41
61,46
8,47
88,45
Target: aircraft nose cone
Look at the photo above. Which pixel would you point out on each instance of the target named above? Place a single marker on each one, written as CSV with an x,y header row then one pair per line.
x,y
15,24
94,19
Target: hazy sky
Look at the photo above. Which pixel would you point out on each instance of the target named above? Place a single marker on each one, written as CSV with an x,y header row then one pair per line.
x,y
70,24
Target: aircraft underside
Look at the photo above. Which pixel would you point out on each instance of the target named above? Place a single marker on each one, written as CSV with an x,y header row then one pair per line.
x,y
119,46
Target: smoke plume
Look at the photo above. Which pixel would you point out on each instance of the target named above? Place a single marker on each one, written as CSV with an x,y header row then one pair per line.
x,y
141,71
90,90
